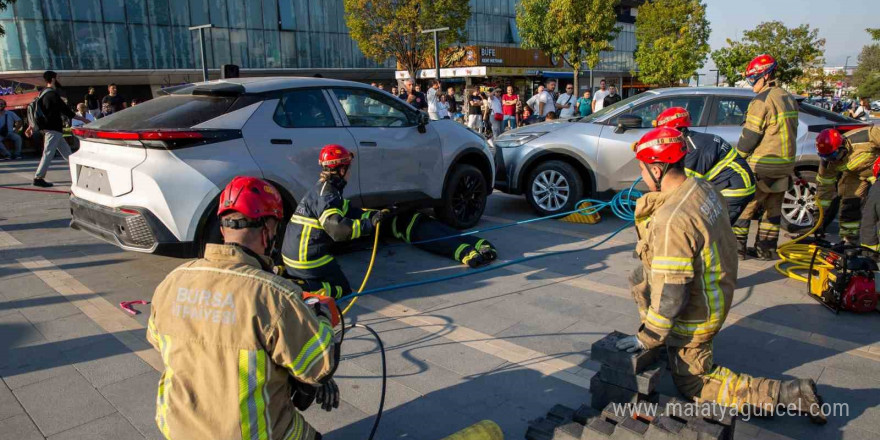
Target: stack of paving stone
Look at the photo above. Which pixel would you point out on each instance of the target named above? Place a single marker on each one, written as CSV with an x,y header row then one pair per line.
x,y
631,378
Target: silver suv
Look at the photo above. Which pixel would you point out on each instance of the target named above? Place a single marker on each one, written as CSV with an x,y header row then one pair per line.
x,y
148,178
557,163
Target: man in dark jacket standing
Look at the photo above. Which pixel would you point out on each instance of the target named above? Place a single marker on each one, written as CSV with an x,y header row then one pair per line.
x,y
52,107
612,98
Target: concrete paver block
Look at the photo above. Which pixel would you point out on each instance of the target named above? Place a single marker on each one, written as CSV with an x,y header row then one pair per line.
x,y
664,428
560,414
605,352
107,361
584,414
598,429
643,382
602,393
540,429
631,429
27,366
71,332
63,402
568,431
9,405
19,427
112,427
135,398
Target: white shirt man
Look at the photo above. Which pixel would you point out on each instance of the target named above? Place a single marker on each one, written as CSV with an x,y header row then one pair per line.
x,y
565,102
547,98
599,97
433,98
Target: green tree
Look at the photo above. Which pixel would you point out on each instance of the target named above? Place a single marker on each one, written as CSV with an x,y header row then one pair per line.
x,y
875,33
386,29
3,5
867,75
816,81
794,48
577,31
672,40
871,88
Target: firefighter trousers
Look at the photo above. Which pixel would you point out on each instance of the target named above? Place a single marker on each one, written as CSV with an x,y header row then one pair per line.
x,y
414,227
328,277
736,206
852,191
697,377
769,194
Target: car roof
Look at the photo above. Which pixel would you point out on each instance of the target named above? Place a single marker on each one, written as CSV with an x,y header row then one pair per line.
x,y
739,91
273,83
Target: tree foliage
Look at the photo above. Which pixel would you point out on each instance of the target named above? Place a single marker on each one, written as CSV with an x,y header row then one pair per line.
x,y
875,33
871,88
815,79
575,30
3,5
386,29
869,64
672,40
795,49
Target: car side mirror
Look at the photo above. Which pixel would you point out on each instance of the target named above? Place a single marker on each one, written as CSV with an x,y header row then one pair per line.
x,y
423,121
628,122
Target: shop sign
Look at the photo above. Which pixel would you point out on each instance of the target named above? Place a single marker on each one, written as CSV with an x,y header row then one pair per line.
x,y
489,55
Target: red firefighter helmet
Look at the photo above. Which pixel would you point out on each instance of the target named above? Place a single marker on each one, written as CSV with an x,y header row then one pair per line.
x,y
662,144
760,66
334,156
828,142
252,197
673,117
876,167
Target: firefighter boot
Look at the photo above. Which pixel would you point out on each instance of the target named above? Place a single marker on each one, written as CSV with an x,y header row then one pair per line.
x,y
741,249
474,259
801,395
488,252
766,250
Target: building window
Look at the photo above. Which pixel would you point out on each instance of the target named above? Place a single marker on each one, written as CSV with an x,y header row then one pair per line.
x,y
273,50
91,46
36,56
183,54
141,52
114,11
28,9
87,10
218,13
256,49
180,12
197,48
136,11
56,10
10,48
198,12
117,46
270,14
236,14
160,13
221,47
254,11
238,47
59,37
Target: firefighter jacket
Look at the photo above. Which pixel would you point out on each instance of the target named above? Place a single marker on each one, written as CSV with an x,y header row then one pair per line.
x,y
870,226
769,136
231,334
862,147
688,255
712,158
322,218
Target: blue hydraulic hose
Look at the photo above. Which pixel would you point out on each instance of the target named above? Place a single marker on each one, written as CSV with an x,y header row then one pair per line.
x,y
622,205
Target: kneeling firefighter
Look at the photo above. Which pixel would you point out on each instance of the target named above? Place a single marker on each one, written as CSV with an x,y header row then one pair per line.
x,y
241,348
428,233
322,218
684,285
711,158
845,171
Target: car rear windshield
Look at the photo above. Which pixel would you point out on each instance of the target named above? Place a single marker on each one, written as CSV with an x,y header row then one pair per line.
x,y
820,112
172,111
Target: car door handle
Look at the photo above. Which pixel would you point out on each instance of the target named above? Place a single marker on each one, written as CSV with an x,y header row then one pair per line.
x,y
281,142
368,144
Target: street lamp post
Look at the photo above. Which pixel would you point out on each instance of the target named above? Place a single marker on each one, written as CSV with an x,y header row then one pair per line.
x,y
436,48
201,30
717,76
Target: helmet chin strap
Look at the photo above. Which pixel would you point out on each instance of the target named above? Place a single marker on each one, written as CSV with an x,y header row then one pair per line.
x,y
656,180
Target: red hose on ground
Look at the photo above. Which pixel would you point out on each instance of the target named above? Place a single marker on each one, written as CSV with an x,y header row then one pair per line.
x,y
54,191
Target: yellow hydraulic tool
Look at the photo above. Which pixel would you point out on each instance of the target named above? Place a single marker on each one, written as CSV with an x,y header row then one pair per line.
x,y
578,217
485,430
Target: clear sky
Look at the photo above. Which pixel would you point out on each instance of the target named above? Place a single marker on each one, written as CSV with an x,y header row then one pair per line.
x,y
841,22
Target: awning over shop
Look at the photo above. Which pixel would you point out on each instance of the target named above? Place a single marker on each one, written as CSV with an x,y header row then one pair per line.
x,y
556,75
20,101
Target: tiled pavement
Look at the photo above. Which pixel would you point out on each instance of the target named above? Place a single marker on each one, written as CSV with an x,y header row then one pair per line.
x,y
505,345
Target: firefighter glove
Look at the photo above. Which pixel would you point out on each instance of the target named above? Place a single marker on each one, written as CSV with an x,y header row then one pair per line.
x,y
380,216
328,395
630,344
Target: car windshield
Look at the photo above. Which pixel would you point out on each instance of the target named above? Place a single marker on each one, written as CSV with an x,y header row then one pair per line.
x,y
628,102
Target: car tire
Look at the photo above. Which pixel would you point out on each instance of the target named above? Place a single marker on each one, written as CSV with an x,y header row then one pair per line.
x,y
553,187
464,197
210,231
799,210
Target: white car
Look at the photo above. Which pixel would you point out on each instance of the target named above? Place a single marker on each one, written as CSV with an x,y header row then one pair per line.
x,y
148,178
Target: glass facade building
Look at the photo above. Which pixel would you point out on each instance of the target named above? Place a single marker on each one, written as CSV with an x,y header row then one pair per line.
x,y
132,35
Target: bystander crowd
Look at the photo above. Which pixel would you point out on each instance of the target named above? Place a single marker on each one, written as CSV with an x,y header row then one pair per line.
x,y
599,97
9,123
566,102
585,104
509,103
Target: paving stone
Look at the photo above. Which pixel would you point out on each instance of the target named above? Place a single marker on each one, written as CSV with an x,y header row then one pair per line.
x,y
135,399
643,382
62,402
107,361
631,429
46,307
112,427
584,413
568,431
72,332
602,393
605,352
560,414
664,428
598,429
23,286
15,332
540,429
19,427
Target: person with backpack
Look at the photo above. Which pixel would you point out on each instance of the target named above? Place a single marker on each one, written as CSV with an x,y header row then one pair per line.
x,y
8,124
44,116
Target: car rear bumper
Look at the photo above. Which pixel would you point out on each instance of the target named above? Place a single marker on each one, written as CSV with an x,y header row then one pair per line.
x,y
140,232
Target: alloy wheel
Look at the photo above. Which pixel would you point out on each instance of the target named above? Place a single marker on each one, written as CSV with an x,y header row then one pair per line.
x,y
550,190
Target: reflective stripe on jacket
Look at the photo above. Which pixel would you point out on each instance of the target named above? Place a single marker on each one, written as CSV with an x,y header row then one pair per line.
x,y
322,218
231,334
688,253
862,147
711,158
769,136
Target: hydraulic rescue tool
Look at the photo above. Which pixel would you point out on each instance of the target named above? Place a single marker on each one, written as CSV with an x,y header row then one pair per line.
x,y
844,278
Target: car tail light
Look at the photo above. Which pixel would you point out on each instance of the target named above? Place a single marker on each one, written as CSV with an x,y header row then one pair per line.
x,y
161,139
129,211
846,128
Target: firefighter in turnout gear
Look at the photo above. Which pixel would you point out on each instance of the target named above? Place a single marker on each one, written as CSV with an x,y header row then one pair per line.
x,y
768,141
684,285
323,218
711,158
869,230
237,340
846,171
415,227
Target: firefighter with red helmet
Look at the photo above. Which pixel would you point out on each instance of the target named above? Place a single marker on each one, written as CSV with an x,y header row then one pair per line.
x,y
846,172
240,346
684,285
768,142
711,158
322,218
